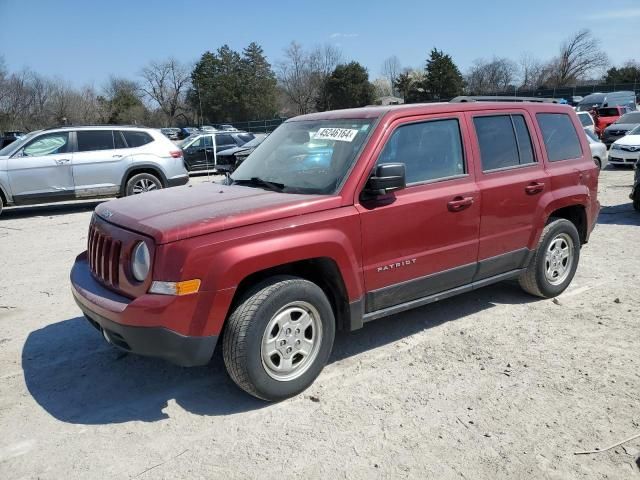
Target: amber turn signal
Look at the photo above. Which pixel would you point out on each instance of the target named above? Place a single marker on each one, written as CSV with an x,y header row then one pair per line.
x,y
185,287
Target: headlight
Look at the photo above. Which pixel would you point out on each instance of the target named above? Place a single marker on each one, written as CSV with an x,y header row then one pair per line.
x,y
615,147
140,261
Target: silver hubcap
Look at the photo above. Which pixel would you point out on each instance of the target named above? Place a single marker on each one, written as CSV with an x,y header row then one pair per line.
x,y
291,341
558,259
144,185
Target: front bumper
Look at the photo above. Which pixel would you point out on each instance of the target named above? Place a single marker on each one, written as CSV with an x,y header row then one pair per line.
x,y
623,157
105,310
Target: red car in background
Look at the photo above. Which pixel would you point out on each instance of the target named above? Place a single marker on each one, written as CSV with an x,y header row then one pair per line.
x,y
606,116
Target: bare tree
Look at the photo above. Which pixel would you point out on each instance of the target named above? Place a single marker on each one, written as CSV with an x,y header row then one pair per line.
x,y
166,83
486,77
302,74
390,70
533,73
382,87
580,55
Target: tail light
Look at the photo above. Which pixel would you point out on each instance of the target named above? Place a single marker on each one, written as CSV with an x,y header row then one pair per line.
x,y
176,153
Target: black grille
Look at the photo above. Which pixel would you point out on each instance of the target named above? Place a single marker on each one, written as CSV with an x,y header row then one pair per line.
x,y
104,257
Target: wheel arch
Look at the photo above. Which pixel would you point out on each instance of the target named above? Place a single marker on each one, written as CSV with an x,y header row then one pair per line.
x,y
137,168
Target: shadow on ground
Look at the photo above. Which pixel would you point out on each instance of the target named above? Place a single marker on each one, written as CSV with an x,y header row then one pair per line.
x,y
623,214
77,378
49,210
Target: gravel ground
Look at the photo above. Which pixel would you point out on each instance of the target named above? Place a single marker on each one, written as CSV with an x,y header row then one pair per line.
x,y
491,384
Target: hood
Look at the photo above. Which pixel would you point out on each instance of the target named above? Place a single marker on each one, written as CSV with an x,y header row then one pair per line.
x,y
628,140
621,126
182,212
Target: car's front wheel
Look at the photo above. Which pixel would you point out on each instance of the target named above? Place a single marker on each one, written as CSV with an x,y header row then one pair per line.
x,y
141,183
279,337
555,260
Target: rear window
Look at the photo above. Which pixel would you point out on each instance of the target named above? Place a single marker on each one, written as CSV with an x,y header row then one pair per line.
x,y
608,112
585,120
560,136
94,140
504,141
136,139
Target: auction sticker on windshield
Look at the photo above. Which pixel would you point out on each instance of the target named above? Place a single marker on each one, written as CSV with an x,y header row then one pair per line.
x,y
339,134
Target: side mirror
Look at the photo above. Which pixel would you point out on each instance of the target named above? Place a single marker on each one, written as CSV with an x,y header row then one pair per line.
x,y
386,178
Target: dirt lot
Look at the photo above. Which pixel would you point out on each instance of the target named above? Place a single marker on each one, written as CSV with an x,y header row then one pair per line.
x,y
492,384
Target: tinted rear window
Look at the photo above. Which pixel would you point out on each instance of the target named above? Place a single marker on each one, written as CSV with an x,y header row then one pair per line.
x,y
608,112
136,139
94,140
504,141
560,136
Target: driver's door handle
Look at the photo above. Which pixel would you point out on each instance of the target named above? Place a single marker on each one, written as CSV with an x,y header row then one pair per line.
x,y
459,203
62,161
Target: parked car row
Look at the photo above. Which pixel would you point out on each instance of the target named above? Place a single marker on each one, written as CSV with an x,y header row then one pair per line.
x,y
10,137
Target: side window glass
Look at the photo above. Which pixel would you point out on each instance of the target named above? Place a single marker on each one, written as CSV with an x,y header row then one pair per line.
x,y
208,142
498,147
136,139
94,140
118,140
525,147
197,143
430,150
560,137
48,144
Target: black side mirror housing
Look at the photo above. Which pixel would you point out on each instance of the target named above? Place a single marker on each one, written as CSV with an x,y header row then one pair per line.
x,y
386,178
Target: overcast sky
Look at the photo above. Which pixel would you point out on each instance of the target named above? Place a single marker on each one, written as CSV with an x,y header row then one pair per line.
x,y
86,41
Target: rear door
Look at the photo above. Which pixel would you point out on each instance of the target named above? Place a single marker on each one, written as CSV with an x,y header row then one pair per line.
x,y
96,169
511,177
423,239
41,171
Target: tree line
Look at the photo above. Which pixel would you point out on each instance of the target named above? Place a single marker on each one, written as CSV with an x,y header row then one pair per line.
x,y
225,86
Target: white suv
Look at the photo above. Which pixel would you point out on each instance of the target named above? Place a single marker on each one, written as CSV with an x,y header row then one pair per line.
x,y
70,163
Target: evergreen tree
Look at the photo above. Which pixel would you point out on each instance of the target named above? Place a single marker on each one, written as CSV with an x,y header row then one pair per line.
x,y
629,73
259,84
443,78
348,86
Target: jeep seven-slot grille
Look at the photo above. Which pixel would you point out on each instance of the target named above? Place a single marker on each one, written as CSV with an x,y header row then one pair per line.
x,y
104,256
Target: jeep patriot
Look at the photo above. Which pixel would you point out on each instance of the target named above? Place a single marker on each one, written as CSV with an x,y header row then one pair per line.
x,y
336,219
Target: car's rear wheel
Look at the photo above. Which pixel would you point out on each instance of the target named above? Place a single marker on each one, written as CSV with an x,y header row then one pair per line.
x,y
279,337
1,204
555,260
598,162
141,183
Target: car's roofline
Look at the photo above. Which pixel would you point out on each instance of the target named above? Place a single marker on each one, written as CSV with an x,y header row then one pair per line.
x,y
373,112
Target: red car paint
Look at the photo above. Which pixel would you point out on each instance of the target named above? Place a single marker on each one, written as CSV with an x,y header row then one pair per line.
x,y
224,234
603,117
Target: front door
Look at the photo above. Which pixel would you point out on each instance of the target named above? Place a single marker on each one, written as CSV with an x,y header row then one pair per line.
x,y
200,155
41,171
423,239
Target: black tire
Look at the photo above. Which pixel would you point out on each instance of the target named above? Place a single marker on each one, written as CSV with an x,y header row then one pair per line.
x,y
534,279
1,204
598,162
243,336
636,200
137,181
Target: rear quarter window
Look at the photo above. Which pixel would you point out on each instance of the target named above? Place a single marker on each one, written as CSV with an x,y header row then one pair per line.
x,y
560,137
136,139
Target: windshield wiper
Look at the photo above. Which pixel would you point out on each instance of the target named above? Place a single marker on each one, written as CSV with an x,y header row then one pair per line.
x,y
259,182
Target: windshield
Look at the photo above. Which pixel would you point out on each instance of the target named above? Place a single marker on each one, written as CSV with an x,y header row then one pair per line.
x,y
635,131
17,144
253,143
633,117
312,156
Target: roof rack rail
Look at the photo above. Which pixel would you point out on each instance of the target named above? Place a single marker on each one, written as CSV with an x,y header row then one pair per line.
x,y
471,98
81,125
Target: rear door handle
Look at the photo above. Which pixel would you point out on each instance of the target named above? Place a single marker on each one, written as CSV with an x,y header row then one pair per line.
x,y
62,161
116,156
459,203
533,188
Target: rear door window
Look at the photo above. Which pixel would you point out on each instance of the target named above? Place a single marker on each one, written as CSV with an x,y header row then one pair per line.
x,y
118,139
560,137
224,140
136,139
94,140
504,141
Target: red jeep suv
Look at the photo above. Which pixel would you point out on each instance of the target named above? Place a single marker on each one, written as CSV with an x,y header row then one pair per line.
x,y
337,219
